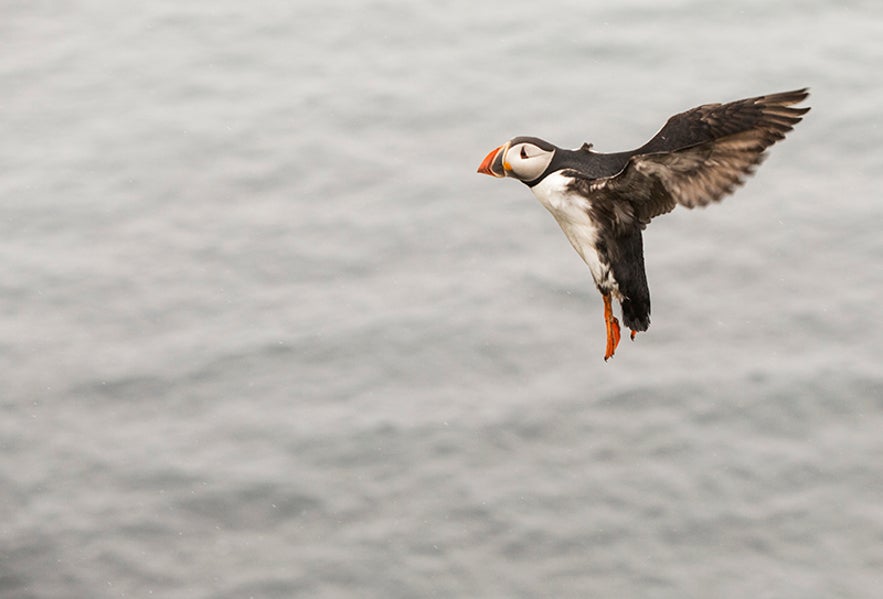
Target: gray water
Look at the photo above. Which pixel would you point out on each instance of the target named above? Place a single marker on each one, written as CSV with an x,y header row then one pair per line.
x,y
265,333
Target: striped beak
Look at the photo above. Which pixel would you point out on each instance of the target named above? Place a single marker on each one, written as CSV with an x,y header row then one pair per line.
x,y
493,164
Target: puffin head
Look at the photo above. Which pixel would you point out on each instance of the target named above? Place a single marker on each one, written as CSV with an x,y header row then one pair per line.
x,y
523,158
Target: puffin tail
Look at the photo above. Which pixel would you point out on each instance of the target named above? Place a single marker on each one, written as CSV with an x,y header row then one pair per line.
x,y
636,312
628,267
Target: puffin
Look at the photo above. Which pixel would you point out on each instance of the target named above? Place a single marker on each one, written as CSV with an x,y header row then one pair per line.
x,y
603,202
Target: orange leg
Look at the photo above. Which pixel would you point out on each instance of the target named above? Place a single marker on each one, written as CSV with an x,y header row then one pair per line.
x,y
612,328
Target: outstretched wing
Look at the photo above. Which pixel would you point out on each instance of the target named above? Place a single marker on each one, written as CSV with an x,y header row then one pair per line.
x,y
701,155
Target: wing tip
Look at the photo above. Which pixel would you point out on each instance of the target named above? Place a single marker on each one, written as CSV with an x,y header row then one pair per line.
x,y
779,113
788,98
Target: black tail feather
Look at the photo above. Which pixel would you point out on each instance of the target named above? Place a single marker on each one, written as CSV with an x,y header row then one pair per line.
x,y
636,314
628,269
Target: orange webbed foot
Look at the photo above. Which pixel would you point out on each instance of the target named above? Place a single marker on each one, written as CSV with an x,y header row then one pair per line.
x,y
612,325
612,338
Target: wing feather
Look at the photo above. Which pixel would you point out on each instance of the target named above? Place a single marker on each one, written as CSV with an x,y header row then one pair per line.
x,y
701,155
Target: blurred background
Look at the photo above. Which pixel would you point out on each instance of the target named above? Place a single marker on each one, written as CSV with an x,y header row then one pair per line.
x,y
264,332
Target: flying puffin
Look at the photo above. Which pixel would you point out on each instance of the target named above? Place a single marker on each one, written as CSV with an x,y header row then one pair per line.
x,y
603,201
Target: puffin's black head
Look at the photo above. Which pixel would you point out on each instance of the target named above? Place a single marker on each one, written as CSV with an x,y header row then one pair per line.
x,y
523,158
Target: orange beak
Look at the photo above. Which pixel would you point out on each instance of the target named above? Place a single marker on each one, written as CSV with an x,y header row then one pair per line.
x,y
493,164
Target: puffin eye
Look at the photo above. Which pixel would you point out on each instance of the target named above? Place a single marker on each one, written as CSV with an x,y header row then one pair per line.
x,y
523,153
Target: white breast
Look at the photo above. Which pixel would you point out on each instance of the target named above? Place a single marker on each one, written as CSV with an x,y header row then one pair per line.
x,y
571,210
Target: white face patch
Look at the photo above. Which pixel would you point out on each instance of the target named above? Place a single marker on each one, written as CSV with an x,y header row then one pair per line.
x,y
526,161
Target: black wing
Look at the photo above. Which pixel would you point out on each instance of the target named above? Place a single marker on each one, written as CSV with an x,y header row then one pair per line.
x,y
701,155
